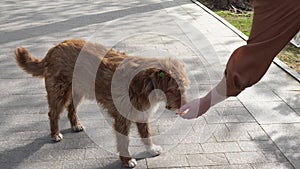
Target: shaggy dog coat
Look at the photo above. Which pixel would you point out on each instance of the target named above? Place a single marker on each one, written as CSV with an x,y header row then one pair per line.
x,y
122,84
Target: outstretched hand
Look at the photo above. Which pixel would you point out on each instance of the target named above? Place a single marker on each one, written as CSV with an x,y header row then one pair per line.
x,y
190,110
197,107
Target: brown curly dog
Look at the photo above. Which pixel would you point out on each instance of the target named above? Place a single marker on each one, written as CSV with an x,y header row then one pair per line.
x,y
124,85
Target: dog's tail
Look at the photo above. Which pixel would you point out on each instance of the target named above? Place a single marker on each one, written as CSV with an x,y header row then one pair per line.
x,y
29,63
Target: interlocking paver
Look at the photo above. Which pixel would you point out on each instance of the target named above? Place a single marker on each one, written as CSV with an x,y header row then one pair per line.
x,y
286,137
192,148
291,97
229,110
207,159
259,93
167,160
243,127
34,165
294,158
258,135
246,157
233,166
231,136
257,145
272,112
97,152
221,147
52,155
244,132
272,166
91,163
275,156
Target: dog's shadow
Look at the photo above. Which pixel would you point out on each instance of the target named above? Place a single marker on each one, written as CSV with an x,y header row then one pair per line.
x,y
118,165
28,150
18,156
14,157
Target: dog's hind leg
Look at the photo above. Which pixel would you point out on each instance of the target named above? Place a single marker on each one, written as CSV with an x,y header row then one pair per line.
x,y
122,126
56,107
58,97
144,131
72,113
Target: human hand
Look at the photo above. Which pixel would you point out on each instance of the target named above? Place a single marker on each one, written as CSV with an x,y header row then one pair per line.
x,y
190,110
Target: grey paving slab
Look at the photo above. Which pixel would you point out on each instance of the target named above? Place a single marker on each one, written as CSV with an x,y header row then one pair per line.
x,y
26,81
275,156
243,127
207,159
221,147
97,152
107,163
259,135
286,137
259,93
272,112
294,159
275,79
24,110
89,164
228,136
232,166
297,111
228,118
232,108
291,97
33,165
166,160
272,166
232,136
231,104
257,146
246,157
183,149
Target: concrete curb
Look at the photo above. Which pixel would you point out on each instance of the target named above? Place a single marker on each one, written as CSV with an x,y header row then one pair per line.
x,y
276,61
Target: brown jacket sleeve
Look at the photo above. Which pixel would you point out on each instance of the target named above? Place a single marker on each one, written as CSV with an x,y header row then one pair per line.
x,y
275,23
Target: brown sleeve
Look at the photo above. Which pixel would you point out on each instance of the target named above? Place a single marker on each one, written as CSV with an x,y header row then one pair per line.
x,y
275,22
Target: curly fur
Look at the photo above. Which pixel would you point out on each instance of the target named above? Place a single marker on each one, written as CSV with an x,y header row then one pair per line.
x,y
95,82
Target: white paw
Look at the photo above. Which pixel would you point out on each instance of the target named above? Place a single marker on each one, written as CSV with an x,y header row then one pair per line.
x,y
78,128
155,150
58,137
132,163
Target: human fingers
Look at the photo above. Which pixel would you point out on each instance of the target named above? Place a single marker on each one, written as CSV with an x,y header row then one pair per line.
x,y
183,112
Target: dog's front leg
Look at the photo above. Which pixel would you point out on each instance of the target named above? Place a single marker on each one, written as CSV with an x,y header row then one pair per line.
x,y
122,126
144,131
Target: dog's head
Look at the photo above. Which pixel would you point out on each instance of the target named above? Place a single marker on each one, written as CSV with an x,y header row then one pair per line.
x,y
170,78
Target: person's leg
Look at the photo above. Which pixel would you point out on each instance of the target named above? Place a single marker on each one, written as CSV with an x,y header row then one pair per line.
x,y
274,24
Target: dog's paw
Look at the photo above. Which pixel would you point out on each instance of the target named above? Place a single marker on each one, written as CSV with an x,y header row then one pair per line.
x,y
131,163
58,137
78,128
154,150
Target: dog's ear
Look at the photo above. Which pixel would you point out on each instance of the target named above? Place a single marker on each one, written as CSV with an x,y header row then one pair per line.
x,y
147,85
142,83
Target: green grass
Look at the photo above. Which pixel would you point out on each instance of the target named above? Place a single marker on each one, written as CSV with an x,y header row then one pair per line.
x,y
290,55
242,21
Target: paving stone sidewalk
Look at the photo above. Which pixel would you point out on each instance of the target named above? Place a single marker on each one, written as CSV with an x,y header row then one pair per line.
x,y
258,129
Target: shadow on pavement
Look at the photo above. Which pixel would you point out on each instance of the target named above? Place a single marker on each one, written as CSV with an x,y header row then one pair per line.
x,y
79,21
